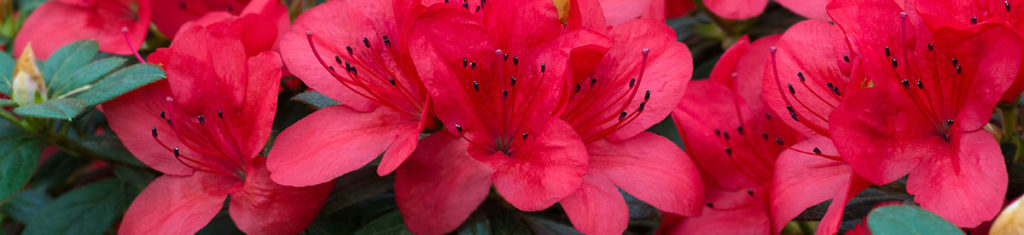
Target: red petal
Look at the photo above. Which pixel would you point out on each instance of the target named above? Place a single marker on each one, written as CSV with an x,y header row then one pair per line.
x,y
804,179
747,215
334,141
597,207
814,9
736,9
206,64
440,185
133,115
620,11
678,8
543,170
171,16
725,70
176,204
815,50
707,106
965,183
517,26
651,168
335,25
991,64
56,23
254,121
669,69
587,14
742,69
265,207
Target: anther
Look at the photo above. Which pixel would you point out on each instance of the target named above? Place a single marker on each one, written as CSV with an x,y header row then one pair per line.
x,y
512,82
728,151
710,205
887,53
154,132
593,81
958,71
465,5
543,67
949,122
836,90
366,42
163,115
791,90
632,82
779,140
337,59
817,151
349,50
718,133
465,62
931,47
578,87
515,60
504,93
506,57
525,135
458,128
202,120
622,115
768,116
830,86
476,86
846,58
472,65
641,108
181,5
1007,4
764,135
920,85
739,130
176,152
387,42
956,62
392,81
801,76
974,20
750,192
725,134
906,84
647,96
220,113
894,62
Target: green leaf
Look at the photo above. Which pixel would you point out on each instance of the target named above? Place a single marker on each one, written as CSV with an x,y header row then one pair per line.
x,y
390,223
6,73
24,205
138,179
7,102
65,109
62,64
91,209
356,187
27,6
88,74
110,147
121,82
19,156
903,219
316,99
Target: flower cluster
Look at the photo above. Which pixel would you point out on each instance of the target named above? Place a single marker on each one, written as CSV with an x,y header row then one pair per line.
x,y
539,107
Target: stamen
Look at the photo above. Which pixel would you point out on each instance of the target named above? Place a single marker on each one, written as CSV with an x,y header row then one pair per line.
x,y
349,50
801,76
525,135
887,53
154,132
974,20
202,120
366,42
128,41
728,151
476,86
387,42
817,151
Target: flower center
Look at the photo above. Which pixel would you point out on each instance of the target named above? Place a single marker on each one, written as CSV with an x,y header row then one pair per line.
x,y
598,94
930,94
206,146
368,74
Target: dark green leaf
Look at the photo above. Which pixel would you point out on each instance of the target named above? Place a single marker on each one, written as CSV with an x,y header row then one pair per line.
x,y
55,171
88,74
6,102
19,156
390,223
6,73
220,225
138,179
62,64
27,6
26,204
111,148
357,186
120,82
66,108
903,219
91,209
316,99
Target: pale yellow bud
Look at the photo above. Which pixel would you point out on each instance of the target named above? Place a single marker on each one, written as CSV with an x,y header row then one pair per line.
x,y
28,86
1010,221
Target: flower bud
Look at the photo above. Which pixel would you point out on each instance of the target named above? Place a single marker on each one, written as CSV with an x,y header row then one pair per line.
x,y
1010,221
28,86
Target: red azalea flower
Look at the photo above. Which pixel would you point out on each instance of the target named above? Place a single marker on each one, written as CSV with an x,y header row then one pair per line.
x,y
118,25
743,9
615,94
356,53
203,128
918,106
962,14
495,77
806,79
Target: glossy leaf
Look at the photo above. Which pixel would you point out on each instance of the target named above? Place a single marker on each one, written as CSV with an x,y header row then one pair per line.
x,y
24,205
19,156
88,74
903,219
120,82
316,99
93,209
6,73
65,109
60,67
390,223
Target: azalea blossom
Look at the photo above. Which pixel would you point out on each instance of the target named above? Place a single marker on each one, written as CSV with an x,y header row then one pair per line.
x,y
204,128
495,76
918,101
635,81
734,141
806,78
357,53
117,25
743,9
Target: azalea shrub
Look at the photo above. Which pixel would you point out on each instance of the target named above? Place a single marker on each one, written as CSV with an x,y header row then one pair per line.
x,y
511,117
